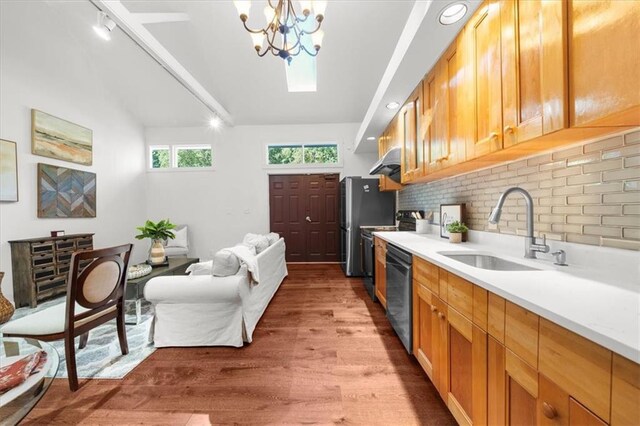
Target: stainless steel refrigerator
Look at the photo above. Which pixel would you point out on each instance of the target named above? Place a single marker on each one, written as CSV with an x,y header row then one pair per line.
x,y
362,203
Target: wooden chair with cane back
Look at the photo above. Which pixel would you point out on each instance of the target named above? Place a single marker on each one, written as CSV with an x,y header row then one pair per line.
x,y
95,295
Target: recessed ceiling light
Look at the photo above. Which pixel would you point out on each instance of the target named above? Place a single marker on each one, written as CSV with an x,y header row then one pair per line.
x,y
393,105
104,25
215,122
453,13
371,138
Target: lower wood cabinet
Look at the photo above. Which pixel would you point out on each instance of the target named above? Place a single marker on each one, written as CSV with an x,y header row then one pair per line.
x,y
380,271
494,362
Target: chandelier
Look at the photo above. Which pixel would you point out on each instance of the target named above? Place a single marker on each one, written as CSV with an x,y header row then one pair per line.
x,y
285,32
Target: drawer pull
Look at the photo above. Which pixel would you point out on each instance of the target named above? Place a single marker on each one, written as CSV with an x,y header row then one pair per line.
x,y
549,411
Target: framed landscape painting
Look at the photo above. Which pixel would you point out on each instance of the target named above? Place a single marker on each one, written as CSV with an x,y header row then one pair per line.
x,y
65,192
8,171
56,138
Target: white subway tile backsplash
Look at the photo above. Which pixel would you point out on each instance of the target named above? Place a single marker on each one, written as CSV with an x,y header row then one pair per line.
x,y
587,194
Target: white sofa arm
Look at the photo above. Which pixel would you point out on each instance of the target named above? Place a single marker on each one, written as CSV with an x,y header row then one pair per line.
x,y
195,289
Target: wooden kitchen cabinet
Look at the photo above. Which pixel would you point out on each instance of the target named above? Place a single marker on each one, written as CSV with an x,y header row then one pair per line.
x,y
380,271
604,63
445,132
482,44
534,73
412,164
384,145
494,362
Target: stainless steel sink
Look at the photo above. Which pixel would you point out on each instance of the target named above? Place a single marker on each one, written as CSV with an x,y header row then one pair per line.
x,y
487,261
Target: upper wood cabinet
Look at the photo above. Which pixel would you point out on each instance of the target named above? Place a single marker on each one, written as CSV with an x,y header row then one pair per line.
x,y
385,144
482,41
412,151
534,73
604,63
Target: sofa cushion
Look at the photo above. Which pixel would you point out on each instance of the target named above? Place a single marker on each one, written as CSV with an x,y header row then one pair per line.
x,y
272,237
260,242
201,268
181,238
225,264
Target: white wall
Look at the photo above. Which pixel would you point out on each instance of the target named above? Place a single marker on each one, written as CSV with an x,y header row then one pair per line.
x,y
44,67
220,206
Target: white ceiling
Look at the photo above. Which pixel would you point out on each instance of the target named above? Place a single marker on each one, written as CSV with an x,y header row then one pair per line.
x,y
360,38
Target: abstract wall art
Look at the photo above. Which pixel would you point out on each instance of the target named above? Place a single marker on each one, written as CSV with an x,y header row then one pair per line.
x,y
8,171
65,192
56,138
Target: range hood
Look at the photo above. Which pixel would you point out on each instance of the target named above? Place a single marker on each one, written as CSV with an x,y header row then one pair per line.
x,y
388,165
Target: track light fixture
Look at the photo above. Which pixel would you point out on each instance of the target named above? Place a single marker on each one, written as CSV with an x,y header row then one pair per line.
x,y
104,25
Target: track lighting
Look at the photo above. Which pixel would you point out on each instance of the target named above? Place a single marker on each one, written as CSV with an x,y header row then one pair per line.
x,y
104,25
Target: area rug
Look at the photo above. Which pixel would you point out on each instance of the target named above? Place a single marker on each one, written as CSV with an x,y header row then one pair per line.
x,y
102,358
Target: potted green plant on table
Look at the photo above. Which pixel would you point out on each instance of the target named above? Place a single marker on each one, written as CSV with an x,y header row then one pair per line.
x,y
456,229
157,232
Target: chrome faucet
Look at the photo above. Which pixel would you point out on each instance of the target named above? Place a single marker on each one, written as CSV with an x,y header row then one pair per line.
x,y
530,245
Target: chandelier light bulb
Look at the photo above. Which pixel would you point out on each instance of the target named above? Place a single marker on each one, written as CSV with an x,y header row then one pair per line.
x,y
257,40
319,7
316,39
243,7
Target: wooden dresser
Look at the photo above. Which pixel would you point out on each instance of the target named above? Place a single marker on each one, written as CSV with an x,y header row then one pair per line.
x,y
41,265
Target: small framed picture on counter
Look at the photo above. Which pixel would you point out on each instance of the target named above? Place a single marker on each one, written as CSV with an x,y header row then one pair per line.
x,y
57,233
450,213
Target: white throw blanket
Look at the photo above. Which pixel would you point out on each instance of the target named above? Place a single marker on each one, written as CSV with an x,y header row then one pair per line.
x,y
247,258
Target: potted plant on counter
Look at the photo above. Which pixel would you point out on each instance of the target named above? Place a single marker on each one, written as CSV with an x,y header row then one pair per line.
x,y
158,233
456,229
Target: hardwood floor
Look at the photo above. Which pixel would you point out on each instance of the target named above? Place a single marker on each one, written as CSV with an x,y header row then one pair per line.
x,y
322,353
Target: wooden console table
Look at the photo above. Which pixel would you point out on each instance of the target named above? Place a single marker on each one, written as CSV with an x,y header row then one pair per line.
x,y
135,287
40,266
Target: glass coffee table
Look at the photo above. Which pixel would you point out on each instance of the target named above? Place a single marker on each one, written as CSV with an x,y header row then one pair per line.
x,y
16,403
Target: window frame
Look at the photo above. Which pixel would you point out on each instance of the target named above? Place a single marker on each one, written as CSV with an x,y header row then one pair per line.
x,y
303,165
173,157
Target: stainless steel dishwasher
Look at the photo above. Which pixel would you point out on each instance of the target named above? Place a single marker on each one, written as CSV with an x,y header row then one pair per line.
x,y
399,293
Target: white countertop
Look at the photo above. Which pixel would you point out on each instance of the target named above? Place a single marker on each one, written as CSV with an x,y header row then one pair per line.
x,y
600,304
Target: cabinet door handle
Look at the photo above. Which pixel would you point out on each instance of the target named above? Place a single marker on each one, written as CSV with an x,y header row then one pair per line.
x,y
440,315
493,135
549,411
508,129
434,309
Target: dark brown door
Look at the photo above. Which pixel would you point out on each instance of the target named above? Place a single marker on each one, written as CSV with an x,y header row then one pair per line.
x,y
304,211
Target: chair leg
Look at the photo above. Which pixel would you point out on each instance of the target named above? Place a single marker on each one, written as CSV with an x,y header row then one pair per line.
x,y
84,338
122,333
70,355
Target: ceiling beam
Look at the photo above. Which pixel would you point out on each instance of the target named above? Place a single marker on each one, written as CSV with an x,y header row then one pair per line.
x,y
160,18
128,23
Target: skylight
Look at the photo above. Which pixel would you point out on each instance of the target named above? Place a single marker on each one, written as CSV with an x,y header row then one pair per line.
x,y
301,73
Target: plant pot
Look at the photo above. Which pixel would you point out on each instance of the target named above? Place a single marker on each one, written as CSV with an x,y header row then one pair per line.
x,y
156,253
455,237
6,308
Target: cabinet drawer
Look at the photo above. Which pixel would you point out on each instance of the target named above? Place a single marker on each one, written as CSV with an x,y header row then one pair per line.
x,y
460,295
62,245
45,273
495,321
85,243
64,257
42,260
577,365
521,333
426,273
44,247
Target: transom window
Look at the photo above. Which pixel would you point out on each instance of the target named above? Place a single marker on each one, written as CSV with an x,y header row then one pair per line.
x,y
302,154
196,156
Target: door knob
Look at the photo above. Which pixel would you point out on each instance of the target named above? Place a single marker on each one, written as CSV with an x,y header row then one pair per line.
x,y
308,219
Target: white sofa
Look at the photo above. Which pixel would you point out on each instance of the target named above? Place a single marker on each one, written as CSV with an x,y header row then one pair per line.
x,y
204,310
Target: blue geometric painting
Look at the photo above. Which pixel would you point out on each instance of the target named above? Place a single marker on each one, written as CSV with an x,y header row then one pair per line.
x,y
65,192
